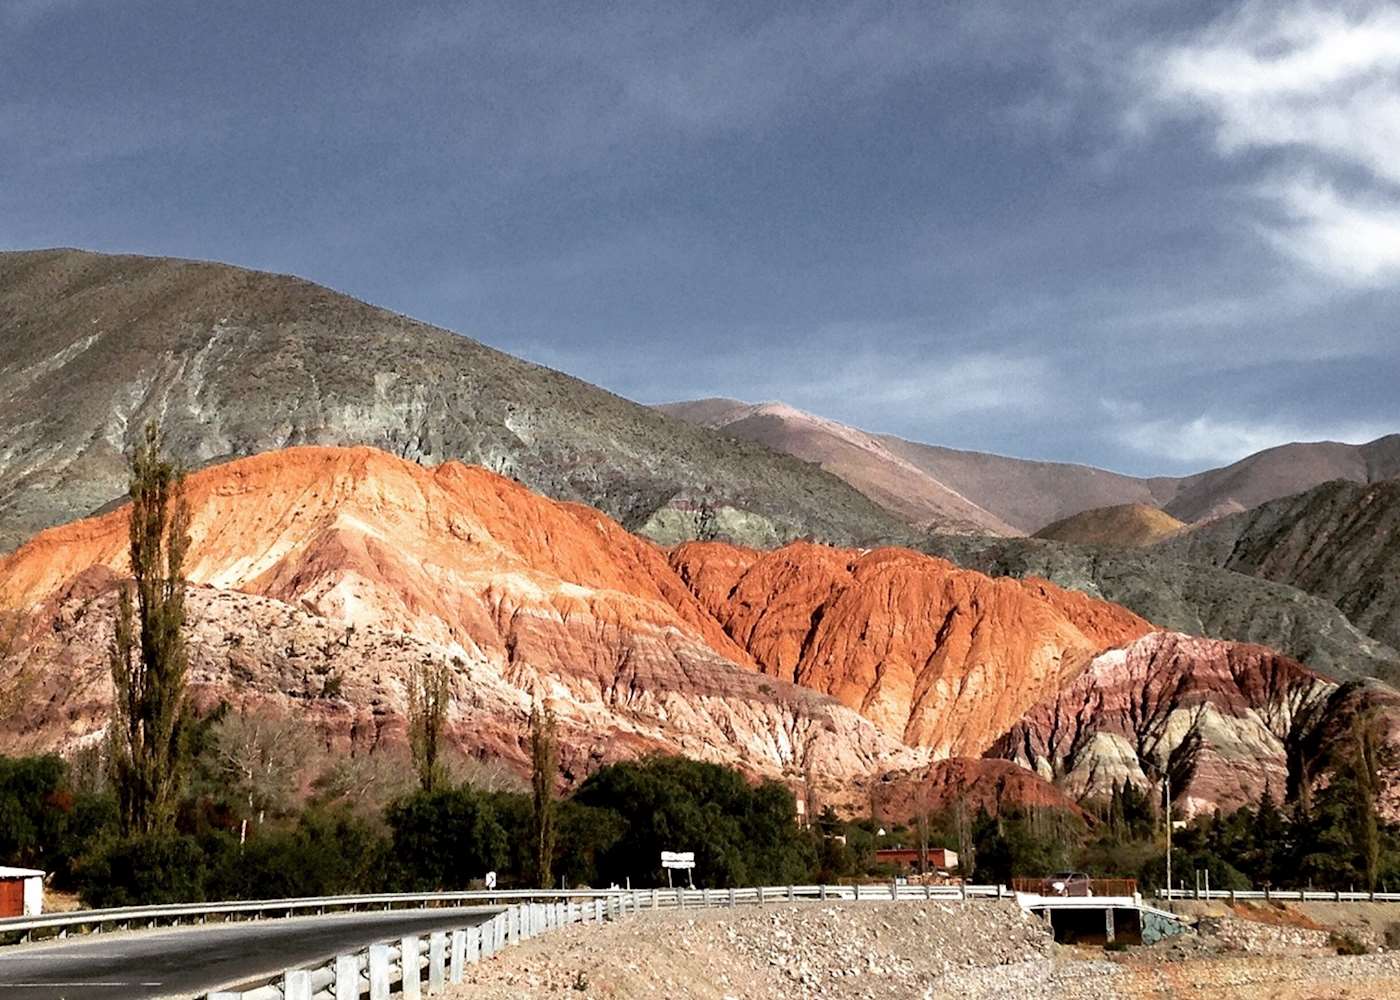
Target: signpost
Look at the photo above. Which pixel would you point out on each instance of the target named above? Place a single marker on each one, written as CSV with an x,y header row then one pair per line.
x,y
678,859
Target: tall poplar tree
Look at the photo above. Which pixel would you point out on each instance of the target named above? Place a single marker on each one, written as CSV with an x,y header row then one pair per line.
x,y
429,694
148,656
544,770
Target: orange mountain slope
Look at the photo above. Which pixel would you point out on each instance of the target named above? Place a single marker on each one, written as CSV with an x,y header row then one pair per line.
x,y
520,592
940,657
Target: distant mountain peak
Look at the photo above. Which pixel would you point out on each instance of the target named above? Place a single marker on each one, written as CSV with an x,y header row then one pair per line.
x,y
971,491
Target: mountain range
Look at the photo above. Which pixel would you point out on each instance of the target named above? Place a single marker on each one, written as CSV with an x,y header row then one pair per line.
x,y
944,489
322,577
237,362
859,615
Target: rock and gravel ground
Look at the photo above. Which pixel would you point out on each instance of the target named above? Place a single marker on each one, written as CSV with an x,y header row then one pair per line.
x,y
929,951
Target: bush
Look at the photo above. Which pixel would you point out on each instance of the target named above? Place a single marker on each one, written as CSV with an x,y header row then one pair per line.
x,y
144,869
444,839
44,823
326,853
741,834
1347,944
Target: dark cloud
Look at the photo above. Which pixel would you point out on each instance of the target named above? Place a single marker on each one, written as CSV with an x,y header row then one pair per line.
x,y
1149,236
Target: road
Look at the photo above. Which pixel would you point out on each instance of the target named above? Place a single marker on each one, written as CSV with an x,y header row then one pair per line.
x,y
185,961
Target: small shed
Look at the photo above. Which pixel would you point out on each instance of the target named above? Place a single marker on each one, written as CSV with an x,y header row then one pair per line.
x,y
21,892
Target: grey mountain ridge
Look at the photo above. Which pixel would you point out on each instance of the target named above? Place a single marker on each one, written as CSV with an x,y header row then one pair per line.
x,y
235,362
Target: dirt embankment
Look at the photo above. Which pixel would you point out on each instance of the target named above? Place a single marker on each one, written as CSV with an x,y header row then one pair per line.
x,y
808,950
933,951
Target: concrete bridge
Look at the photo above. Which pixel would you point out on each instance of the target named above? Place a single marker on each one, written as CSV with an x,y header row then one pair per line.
x,y
1102,919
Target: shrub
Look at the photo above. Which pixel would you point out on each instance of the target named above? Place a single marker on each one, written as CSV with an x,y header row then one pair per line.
x,y
327,853
1347,943
741,834
445,838
143,869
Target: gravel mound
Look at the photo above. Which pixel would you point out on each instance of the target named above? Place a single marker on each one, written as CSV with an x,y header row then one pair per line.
x,y
871,951
925,951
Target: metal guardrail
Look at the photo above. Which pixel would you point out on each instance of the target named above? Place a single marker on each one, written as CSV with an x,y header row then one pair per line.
x,y
1283,895
127,917
376,971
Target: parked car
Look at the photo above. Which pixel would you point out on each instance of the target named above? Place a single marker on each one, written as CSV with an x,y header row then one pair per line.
x,y
1068,884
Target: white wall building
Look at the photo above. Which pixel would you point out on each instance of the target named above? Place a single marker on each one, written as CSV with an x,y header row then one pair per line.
x,y
21,892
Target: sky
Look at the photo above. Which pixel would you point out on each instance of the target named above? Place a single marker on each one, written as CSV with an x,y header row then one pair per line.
x,y
1150,236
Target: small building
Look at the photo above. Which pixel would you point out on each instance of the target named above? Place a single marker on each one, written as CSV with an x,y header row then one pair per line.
x,y
907,859
21,892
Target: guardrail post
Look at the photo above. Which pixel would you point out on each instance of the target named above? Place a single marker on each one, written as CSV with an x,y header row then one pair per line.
x,y
347,976
296,984
821,891
760,895
437,961
894,890
378,972
791,894
655,899
731,898
857,894
408,965
458,961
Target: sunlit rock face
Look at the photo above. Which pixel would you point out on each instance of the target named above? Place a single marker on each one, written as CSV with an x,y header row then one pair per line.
x,y
1228,720
938,657
321,577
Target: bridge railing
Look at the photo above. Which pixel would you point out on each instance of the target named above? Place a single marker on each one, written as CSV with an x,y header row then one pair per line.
x,y
1284,895
406,967
1089,887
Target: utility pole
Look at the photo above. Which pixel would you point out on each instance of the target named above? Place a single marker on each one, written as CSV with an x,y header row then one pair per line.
x,y
1167,793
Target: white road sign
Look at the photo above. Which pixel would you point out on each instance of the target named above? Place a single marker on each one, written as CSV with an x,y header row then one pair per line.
x,y
677,859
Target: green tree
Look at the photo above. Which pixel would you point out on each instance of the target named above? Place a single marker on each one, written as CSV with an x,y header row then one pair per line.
x,y
445,838
428,698
327,852
145,869
741,835
45,822
148,656
544,772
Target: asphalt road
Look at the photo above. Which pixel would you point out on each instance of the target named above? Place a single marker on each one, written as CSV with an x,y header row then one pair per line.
x,y
186,961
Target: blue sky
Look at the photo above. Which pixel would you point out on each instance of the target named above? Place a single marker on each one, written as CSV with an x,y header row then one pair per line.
x,y
1152,236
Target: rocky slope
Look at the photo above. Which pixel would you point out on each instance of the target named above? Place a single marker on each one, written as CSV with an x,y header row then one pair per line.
x,y
1027,495
936,656
861,459
1128,526
974,784
1227,720
237,362
322,577
1340,542
1187,597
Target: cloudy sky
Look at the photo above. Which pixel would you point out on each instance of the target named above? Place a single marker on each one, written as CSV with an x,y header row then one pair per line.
x,y
1151,236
